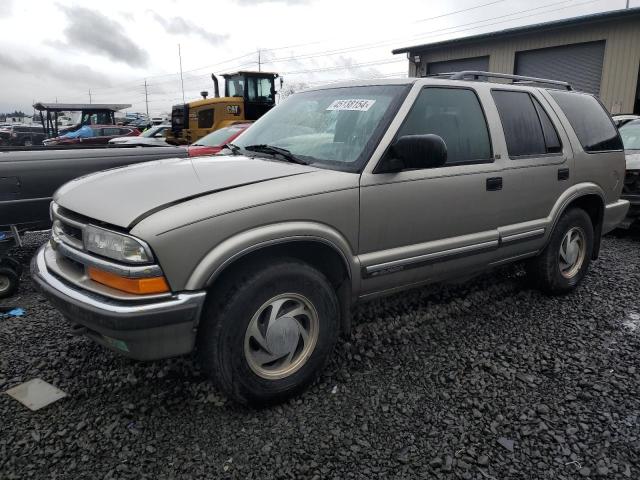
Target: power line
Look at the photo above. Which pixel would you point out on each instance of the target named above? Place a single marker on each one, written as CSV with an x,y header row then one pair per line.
x,y
366,46
326,52
460,11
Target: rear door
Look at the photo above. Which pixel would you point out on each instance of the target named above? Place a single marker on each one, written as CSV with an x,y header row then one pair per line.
x,y
538,168
427,224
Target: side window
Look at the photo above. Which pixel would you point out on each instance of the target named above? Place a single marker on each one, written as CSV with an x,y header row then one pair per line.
x,y
205,118
520,123
589,120
108,132
455,115
551,139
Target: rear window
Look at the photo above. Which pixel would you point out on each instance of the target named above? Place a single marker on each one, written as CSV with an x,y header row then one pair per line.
x,y
589,120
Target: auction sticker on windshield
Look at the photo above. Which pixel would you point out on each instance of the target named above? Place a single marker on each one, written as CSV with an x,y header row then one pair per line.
x,y
353,104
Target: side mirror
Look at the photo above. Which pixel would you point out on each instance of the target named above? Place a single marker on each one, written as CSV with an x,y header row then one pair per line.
x,y
415,152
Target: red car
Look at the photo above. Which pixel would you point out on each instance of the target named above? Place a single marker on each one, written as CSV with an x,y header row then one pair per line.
x,y
214,142
92,135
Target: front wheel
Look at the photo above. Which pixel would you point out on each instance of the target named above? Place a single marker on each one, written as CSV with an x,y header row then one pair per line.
x,y
268,336
565,261
9,281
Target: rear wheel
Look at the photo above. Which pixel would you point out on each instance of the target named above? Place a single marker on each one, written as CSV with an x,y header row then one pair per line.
x,y
268,336
565,261
27,142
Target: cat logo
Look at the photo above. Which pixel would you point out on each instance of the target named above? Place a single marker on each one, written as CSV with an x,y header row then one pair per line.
x,y
233,109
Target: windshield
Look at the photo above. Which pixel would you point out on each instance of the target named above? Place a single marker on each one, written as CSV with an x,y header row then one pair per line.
x,y
219,137
630,134
157,131
336,128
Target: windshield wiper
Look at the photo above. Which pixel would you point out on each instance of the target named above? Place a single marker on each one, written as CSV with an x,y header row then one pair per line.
x,y
271,149
234,148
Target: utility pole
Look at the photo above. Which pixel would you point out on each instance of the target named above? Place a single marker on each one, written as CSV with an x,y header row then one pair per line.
x,y
89,95
146,98
259,61
181,79
627,4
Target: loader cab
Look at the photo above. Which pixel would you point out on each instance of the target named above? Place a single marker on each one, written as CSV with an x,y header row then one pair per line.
x,y
257,89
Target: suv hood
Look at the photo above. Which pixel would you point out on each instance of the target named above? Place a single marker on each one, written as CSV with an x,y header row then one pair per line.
x,y
124,196
633,159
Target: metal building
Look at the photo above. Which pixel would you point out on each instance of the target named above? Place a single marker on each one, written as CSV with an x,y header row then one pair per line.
x,y
597,53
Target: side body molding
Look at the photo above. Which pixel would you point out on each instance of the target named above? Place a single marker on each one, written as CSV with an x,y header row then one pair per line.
x,y
233,248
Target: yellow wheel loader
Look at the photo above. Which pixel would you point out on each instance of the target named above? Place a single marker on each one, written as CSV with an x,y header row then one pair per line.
x,y
247,96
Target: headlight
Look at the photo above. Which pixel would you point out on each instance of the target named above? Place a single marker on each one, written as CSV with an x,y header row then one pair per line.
x,y
114,245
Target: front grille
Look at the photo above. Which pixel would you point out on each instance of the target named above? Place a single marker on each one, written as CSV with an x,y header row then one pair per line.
x,y
68,227
632,183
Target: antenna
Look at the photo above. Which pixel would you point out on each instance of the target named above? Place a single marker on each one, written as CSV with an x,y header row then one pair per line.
x,y
181,79
146,97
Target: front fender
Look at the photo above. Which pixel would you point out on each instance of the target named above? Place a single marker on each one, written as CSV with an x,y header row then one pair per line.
x,y
235,247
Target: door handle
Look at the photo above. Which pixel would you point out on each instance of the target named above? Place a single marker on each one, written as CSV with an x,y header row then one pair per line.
x,y
563,174
494,183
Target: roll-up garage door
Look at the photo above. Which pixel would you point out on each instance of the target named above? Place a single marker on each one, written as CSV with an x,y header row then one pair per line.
x,y
579,64
448,66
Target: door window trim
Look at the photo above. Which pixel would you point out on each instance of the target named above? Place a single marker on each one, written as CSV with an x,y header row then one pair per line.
x,y
537,155
491,158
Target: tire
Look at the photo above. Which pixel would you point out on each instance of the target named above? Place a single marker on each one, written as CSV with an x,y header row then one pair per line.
x,y
234,345
557,270
9,281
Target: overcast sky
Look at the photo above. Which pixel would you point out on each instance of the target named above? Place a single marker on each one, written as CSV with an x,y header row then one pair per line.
x,y
62,49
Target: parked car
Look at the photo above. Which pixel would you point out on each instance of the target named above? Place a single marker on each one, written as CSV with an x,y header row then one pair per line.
x,y
141,123
630,133
152,137
25,135
215,141
28,179
623,118
339,195
92,135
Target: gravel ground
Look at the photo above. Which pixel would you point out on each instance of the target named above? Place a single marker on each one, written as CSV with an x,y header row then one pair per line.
x,y
483,380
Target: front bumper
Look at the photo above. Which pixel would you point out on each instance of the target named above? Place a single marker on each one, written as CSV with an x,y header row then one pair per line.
x,y
634,201
160,328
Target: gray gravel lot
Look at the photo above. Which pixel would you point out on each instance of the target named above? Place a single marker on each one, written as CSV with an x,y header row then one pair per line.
x,y
483,380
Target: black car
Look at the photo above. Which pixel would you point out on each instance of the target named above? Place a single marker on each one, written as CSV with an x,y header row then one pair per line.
x,y
21,135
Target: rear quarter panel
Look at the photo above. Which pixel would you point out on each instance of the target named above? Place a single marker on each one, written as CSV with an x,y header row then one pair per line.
x,y
605,169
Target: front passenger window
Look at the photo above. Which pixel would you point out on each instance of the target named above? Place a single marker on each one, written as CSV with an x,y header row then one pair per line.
x,y
455,115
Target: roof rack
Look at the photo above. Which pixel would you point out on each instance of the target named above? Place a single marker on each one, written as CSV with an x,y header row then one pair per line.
x,y
475,75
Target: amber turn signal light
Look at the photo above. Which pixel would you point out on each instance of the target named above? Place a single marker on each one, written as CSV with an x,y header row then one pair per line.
x,y
138,286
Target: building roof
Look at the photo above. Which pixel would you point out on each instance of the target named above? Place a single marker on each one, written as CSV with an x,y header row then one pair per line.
x,y
583,19
60,107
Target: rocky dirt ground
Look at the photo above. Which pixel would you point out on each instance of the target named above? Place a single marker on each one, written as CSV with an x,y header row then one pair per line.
x,y
484,380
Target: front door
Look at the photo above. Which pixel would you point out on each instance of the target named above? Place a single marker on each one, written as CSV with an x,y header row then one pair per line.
x,y
425,224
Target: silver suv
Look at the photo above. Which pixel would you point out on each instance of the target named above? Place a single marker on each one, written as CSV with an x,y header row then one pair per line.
x,y
341,194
